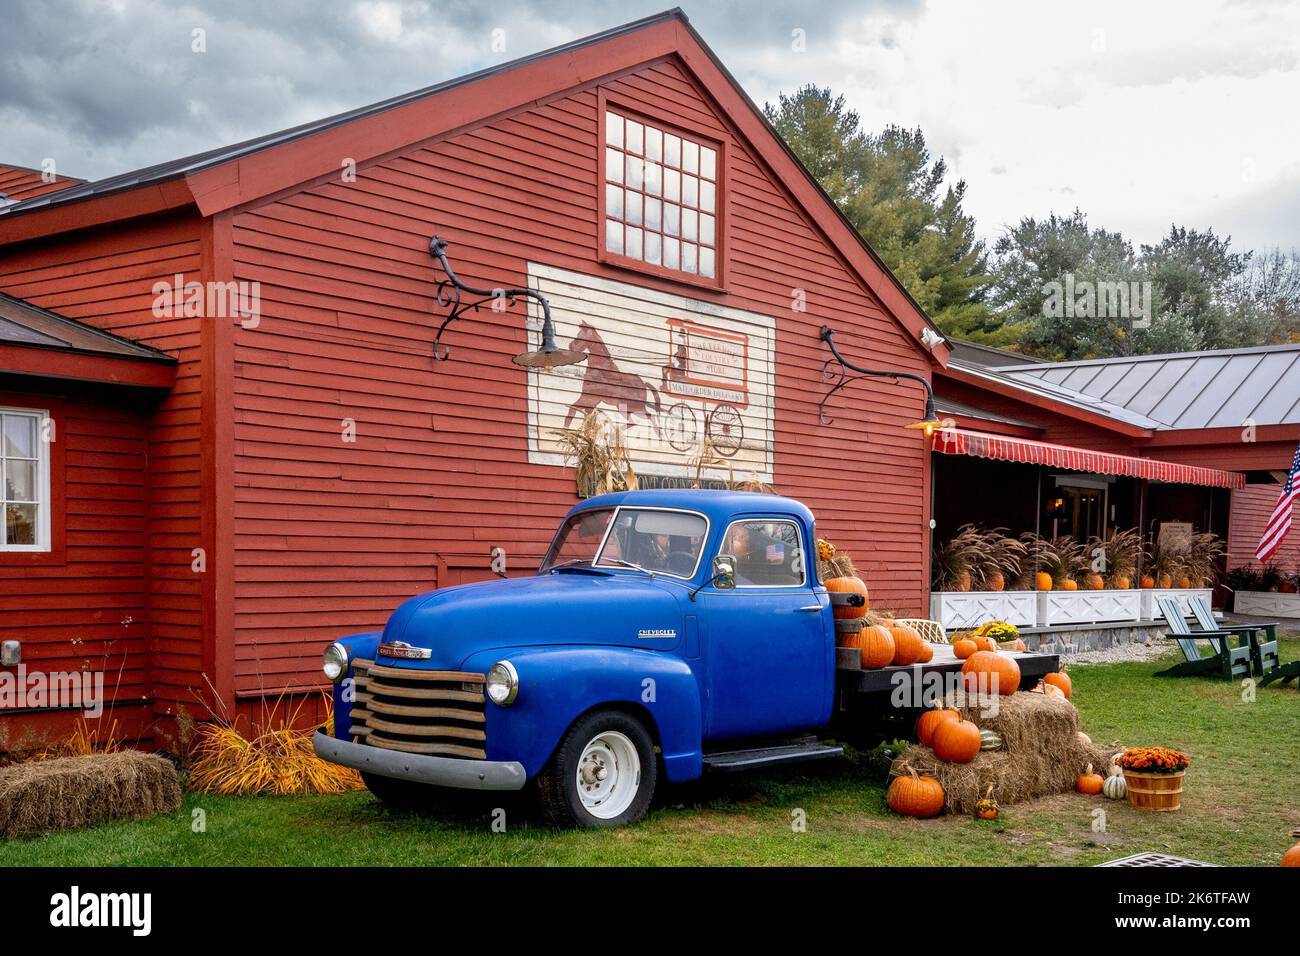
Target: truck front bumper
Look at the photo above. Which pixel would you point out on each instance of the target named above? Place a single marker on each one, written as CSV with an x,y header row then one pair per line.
x,y
421,768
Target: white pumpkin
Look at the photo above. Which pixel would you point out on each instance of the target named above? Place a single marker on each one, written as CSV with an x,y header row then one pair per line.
x,y
1115,787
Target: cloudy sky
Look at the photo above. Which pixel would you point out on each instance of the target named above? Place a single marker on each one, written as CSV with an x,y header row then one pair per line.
x,y
1139,113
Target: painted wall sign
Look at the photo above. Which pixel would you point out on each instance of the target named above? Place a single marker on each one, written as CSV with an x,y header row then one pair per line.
x,y
666,371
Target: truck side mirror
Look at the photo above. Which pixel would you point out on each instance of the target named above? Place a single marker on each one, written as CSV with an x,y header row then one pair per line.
x,y
724,572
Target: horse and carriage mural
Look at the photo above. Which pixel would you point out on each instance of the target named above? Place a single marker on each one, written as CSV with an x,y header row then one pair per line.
x,y
680,378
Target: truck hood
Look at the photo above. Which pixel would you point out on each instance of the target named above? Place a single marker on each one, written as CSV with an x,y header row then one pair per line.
x,y
566,608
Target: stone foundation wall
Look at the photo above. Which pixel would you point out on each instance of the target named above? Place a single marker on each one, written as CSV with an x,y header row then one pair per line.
x,y
1090,637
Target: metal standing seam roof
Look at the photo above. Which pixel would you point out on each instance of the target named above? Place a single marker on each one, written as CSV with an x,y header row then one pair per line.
x,y
1034,386
24,324
1224,388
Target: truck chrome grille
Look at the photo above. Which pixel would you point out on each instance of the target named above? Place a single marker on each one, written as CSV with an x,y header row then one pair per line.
x,y
418,711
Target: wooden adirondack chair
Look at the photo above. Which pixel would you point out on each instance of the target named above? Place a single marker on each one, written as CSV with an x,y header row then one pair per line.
x,y
1225,659
1261,637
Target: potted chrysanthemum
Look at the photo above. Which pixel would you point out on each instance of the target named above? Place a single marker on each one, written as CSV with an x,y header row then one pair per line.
x,y
1154,776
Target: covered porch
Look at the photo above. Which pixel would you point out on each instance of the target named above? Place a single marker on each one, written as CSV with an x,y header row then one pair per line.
x,y
1038,493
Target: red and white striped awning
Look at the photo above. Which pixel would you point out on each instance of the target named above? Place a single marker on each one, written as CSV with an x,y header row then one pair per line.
x,y
959,441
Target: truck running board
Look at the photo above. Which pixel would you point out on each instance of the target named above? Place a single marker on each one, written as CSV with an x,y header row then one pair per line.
x,y
787,751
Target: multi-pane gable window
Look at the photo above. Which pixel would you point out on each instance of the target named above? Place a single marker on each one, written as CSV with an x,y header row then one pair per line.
x,y
661,197
24,481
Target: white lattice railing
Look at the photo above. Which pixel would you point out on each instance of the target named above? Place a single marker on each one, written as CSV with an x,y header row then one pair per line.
x,y
963,609
1266,604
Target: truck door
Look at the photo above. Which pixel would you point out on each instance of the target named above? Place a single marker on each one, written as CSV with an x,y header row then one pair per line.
x,y
768,643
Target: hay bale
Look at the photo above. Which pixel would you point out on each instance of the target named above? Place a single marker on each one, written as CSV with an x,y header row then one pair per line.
x,y
1041,753
68,793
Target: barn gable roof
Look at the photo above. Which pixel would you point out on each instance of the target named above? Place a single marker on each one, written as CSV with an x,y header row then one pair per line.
x,y
233,176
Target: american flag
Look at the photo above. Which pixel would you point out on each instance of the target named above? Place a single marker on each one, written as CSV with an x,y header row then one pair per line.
x,y
1279,522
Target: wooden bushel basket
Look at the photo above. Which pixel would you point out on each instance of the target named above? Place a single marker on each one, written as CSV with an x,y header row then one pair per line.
x,y
1155,791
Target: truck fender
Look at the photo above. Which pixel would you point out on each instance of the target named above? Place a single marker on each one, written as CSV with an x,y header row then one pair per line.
x,y
558,684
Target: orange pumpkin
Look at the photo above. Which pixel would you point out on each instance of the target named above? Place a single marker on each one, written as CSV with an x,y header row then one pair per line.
x,y
927,653
1089,783
1094,581
907,644
877,646
1121,582
988,670
1184,582
964,648
1021,645
1069,584
1292,856
1042,581
985,644
963,582
1062,680
929,722
849,585
995,581
915,796
1147,582
956,741
1165,581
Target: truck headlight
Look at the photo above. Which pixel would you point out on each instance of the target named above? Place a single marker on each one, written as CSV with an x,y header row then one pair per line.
x,y
335,664
503,683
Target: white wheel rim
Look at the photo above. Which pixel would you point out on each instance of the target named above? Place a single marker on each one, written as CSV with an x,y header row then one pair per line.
x,y
608,775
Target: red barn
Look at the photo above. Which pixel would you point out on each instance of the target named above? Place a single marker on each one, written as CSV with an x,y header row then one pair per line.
x,y
228,439
308,464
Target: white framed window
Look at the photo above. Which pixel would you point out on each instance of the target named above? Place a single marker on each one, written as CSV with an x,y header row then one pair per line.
x,y
661,197
768,551
24,480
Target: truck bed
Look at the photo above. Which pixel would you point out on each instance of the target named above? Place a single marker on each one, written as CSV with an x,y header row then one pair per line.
x,y
850,679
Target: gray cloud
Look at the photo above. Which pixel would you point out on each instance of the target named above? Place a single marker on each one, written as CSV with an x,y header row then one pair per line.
x,y
107,87
1137,117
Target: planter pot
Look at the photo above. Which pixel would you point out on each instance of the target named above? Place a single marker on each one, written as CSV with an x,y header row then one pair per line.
x,y
1087,607
1151,611
1155,791
1267,604
954,609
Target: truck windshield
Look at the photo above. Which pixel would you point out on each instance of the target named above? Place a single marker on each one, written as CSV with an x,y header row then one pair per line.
x,y
667,542
578,539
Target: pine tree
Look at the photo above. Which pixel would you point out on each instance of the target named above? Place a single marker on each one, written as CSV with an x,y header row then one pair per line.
x,y
888,186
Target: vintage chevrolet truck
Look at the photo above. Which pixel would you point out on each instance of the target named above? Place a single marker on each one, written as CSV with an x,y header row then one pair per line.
x,y
665,633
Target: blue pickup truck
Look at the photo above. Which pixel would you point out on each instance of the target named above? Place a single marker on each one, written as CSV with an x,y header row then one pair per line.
x,y
665,632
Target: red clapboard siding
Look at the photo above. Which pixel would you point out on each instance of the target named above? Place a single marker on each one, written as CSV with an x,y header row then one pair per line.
x,y
330,536
1251,507
105,277
85,606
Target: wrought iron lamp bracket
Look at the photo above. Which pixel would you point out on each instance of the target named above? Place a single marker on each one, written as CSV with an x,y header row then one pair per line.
x,y
836,370
450,297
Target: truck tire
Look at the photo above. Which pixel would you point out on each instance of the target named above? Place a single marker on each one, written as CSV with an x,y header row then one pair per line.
x,y
603,774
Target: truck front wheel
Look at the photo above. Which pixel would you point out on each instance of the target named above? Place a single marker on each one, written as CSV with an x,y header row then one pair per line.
x,y
603,774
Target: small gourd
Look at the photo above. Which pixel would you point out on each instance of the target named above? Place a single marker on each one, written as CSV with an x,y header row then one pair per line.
x,y
987,807
1115,787
989,740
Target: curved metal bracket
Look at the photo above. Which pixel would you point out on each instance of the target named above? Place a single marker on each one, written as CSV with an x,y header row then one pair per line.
x,y
450,291
836,369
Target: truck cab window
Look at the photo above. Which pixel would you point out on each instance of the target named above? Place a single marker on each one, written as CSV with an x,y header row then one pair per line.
x,y
663,541
578,539
767,553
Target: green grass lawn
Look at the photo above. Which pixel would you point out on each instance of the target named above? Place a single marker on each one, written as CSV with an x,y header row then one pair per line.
x,y
1240,805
